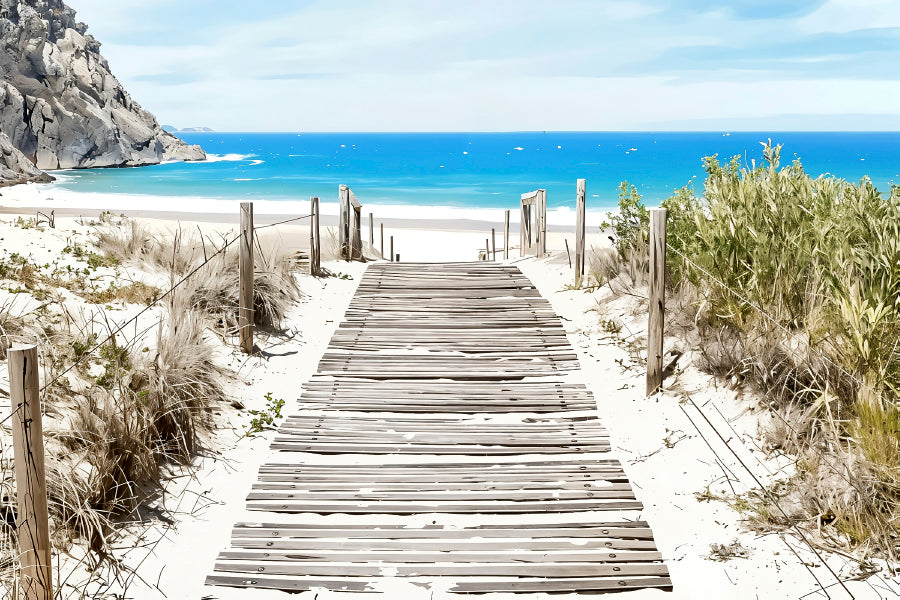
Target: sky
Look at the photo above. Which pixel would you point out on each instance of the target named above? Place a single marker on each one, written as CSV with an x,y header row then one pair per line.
x,y
506,65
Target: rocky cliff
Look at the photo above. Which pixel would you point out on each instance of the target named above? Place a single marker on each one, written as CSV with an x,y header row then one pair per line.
x,y
60,105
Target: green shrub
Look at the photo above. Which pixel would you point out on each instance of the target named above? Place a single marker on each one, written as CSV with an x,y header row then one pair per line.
x,y
796,286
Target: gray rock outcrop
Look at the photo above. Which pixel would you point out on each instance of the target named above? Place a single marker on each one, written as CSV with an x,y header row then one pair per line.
x,y
15,167
60,105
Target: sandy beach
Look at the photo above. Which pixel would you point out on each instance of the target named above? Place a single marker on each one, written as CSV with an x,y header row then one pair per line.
x,y
677,466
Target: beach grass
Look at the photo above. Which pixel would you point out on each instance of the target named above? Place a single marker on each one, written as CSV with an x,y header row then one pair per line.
x,y
791,286
142,400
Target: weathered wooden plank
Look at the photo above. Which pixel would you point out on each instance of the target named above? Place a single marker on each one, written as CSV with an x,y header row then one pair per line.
x,y
429,496
337,569
355,507
444,544
468,556
587,529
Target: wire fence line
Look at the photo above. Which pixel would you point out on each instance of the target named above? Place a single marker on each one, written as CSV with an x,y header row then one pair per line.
x,y
291,220
155,302
768,494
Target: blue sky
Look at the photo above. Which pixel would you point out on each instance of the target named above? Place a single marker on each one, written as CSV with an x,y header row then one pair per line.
x,y
503,65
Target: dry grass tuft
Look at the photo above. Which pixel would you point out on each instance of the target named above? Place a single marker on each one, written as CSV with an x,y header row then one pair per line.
x,y
133,405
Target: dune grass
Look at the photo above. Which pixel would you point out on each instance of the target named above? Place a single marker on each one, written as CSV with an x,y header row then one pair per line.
x,y
793,287
137,403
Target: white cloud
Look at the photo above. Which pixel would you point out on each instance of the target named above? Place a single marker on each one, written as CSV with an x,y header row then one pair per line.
x,y
468,65
841,16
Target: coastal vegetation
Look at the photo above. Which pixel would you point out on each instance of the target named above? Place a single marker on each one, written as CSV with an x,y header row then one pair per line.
x,y
790,284
123,407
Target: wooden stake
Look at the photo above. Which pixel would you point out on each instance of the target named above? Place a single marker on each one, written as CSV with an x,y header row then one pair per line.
x,y
656,322
356,233
245,304
506,235
344,222
493,243
315,246
392,248
568,254
579,231
371,231
32,526
381,225
487,249
542,223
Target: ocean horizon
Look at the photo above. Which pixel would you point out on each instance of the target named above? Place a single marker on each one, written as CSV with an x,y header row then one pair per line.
x,y
475,173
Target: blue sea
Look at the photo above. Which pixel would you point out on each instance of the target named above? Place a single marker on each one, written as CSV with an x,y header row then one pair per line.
x,y
478,170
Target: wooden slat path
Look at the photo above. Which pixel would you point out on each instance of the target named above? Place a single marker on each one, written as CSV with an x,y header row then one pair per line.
x,y
443,442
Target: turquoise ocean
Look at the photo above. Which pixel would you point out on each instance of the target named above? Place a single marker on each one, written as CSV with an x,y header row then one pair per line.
x,y
478,170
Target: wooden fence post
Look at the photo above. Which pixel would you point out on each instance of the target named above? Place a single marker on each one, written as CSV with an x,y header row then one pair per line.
x,y
542,223
487,249
381,225
493,243
371,231
32,527
656,320
506,235
245,304
315,245
392,248
579,232
344,221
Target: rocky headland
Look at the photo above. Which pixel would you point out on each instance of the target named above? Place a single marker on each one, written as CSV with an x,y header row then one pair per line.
x,y
61,107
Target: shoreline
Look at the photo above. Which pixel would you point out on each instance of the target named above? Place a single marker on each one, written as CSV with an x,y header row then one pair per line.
x,y
426,234
32,196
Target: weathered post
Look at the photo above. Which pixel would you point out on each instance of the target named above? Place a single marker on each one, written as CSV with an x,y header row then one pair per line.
x,y
315,245
579,232
506,235
487,249
381,250
344,222
371,231
493,243
392,248
656,321
542,223
32,527
245,302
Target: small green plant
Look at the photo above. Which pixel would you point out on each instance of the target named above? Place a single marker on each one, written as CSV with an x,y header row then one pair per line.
x,y
79,348
611,326
264,419
116,363
631,225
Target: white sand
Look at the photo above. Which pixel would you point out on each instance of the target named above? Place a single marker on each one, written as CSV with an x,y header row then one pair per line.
x,y
666,459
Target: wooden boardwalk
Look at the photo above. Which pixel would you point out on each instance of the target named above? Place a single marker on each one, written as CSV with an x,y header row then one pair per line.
x,y
442,442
